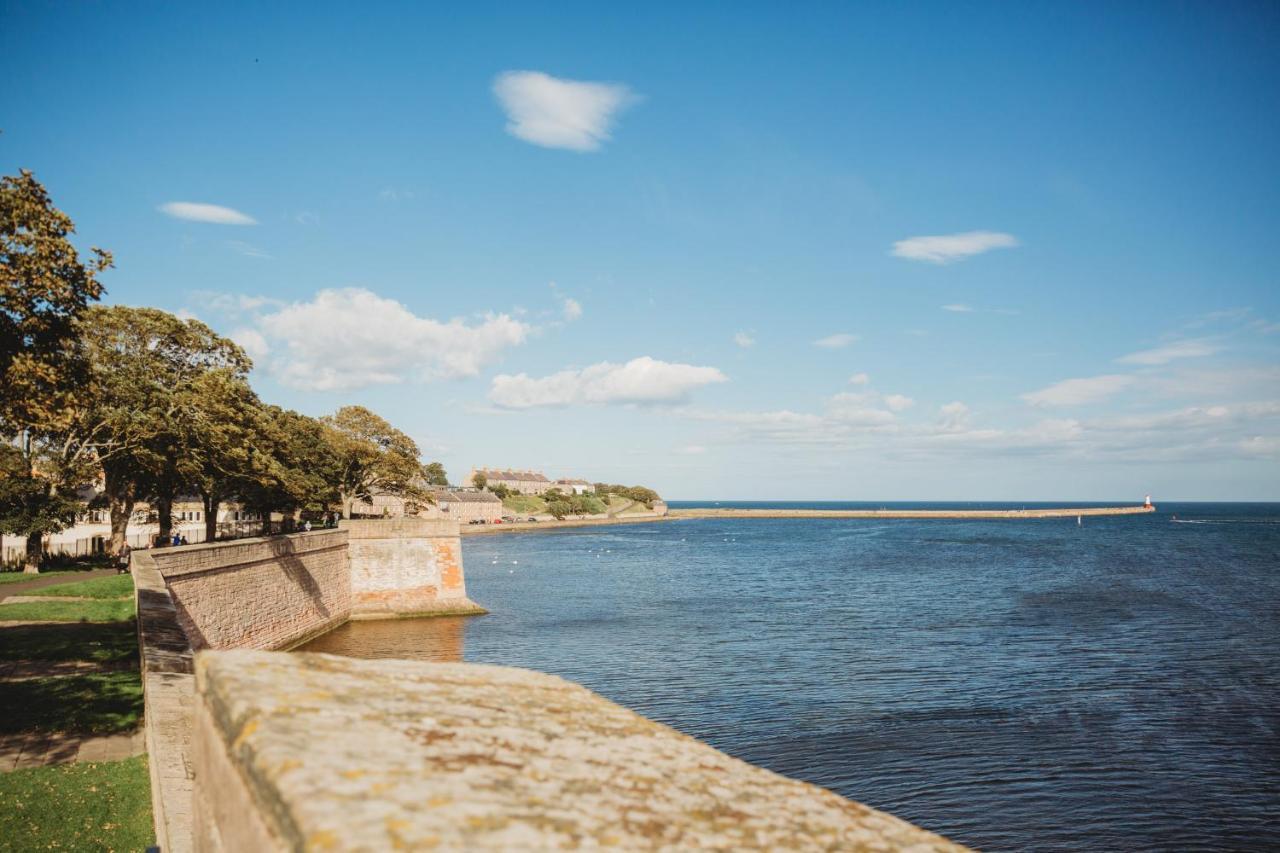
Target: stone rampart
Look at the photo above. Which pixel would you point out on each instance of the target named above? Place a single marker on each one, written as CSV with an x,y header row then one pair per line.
x,y
266,593
406,567
306,751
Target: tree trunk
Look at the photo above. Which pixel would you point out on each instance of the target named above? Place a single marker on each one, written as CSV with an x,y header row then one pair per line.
x,y
34,551
211,503
164,510
121,512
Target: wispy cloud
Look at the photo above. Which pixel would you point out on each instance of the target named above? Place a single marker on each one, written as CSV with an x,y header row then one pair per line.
x,y
215,214
836,341
859,379
556,113
948,248
641,380
744,340
1196,348
958,308
395,194
1078,392
249,250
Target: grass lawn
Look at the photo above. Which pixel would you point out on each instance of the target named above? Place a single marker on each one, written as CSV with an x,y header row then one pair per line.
x,y
524,504
100,704
118,586
109,610
92,806
100,642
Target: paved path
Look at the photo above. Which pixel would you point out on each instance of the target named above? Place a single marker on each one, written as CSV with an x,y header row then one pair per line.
x,y
40,749
39,582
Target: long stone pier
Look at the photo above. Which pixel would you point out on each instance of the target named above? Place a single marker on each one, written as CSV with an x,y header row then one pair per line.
x,y
1054,512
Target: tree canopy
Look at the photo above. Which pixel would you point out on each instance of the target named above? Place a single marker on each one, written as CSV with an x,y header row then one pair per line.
x,y
373,456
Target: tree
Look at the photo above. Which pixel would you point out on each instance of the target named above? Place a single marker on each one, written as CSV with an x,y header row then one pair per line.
x,y
373,457
44,287
293,468
479,480
559,508
433,473
171,395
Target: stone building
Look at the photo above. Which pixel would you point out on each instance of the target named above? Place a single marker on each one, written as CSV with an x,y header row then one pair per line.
x,y
524,482
575,487
465,507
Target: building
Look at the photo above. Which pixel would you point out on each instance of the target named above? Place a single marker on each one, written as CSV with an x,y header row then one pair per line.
x,y
577,487
466,507
524,482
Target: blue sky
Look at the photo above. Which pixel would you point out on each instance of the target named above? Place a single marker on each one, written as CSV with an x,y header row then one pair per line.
x,y
728,250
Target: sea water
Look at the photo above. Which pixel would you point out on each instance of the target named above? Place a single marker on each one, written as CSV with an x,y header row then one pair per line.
x,y
1014,685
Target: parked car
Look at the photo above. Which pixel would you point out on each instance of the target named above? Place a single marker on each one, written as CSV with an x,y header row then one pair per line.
x,y
533,519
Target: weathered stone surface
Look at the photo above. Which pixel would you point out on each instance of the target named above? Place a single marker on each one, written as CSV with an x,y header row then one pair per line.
x,y
406,567
327,753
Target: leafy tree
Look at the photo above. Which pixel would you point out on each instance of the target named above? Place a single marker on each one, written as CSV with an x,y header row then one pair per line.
x,y
434,475
479,480
44,287
373,457
559,508
293,467
500,490
172,397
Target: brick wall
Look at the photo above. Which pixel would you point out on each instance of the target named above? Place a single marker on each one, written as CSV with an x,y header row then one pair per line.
x,y
267,593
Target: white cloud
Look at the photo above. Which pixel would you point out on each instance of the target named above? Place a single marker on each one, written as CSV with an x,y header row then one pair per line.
x,y
352,338
558,113
691,450
641,380
1163,355
212,213
252,342
898,403
837,341
859,379
744,340
958,308
571,308
1075,392
953,416
947,248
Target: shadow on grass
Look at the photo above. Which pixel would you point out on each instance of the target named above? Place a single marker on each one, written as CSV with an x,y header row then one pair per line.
x,y
100,642
100,704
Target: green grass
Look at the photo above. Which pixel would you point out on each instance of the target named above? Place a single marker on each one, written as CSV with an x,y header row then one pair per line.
x,y
100,642
93,806
525,504
117,586
111,610
100,704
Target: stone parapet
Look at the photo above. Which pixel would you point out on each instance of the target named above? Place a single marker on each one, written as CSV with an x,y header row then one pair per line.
x,y
320,752
406,567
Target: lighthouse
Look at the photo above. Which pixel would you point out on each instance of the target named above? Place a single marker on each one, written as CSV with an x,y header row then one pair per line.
x,y
1147,501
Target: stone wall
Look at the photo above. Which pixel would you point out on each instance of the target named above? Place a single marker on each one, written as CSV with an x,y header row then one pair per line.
x,y
406,567
266,593
308,751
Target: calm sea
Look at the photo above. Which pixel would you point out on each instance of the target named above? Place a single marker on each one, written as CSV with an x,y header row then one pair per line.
x,y
1014,685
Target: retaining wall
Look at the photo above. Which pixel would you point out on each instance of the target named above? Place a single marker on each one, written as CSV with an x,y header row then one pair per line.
x,y
265,593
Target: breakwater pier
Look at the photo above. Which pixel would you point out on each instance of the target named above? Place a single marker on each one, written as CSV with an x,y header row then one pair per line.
x,y
1052,512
